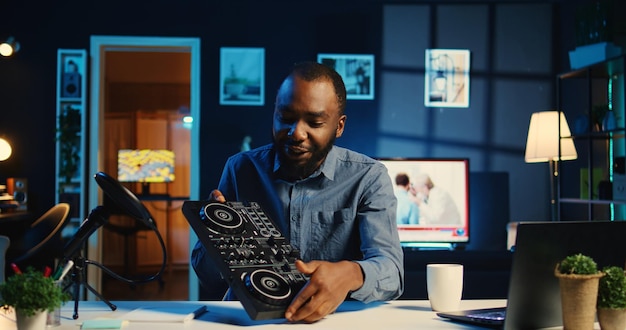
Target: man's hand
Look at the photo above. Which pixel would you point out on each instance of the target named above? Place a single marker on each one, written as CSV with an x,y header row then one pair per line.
x,y
328,287
216,196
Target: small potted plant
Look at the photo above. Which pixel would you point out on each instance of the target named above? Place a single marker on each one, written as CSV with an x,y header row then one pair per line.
x,y
579,278
234,86
32,295
68,135
612,299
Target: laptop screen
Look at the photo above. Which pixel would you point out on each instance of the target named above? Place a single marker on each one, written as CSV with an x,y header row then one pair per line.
x,y
534,299
534,296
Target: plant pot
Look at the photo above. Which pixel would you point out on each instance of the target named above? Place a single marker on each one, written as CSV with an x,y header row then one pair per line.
x,y
579,294
612,319
234,90
34,322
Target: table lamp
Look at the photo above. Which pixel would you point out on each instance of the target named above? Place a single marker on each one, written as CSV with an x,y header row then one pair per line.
x,y
543,145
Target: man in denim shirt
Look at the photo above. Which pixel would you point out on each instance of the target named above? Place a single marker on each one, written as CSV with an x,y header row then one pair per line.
x,y
335,205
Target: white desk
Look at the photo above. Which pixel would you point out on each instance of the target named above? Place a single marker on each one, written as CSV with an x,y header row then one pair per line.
x,y
399,314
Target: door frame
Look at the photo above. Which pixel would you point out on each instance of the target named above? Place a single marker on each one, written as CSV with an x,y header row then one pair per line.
x,y
99,45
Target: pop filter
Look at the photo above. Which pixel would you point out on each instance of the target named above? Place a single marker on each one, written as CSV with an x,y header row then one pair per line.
x,y
124,198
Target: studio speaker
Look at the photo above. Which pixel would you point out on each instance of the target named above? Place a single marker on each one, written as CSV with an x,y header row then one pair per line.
x,y
71,84
18,188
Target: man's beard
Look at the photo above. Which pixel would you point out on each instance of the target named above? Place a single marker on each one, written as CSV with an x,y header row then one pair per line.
x,y
292,171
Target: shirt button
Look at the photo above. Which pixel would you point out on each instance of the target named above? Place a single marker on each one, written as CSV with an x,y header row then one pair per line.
x,y
294,217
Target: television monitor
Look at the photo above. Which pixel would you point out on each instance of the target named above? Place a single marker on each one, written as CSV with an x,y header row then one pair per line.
x,y
442,219
145,166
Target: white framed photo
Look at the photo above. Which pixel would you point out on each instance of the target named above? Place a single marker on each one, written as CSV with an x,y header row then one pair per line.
x,y
447,78
357,72
242,76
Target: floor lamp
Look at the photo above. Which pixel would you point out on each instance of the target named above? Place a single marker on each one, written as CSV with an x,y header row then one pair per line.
x,y
542,145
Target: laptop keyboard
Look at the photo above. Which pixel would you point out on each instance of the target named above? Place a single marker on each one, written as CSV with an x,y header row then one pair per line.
x,y
495,315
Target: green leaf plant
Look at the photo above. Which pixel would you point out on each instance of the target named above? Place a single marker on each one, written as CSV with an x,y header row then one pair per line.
x,y
579,264
612,288
31,292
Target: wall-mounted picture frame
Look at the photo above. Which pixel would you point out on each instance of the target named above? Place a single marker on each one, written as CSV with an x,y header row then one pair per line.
x,y
242,76
447,81
357,71
71,76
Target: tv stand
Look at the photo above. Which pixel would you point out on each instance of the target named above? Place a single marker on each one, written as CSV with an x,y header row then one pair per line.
x,y
154,197
432,246
145,188
486,272
146,195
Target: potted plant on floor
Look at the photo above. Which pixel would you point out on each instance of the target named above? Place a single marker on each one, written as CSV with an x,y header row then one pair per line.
x,y
612,299
32,295
578,281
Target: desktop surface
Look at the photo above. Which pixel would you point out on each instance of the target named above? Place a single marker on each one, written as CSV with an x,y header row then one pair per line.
x,y
11,216
398,314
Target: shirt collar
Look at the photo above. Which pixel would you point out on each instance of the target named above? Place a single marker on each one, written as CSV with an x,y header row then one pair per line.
x,y
330,164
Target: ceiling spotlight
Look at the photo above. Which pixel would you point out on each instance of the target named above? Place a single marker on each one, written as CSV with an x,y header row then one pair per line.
x,y
9,47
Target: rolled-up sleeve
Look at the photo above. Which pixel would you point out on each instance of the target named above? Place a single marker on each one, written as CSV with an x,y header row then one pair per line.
x,y
383,261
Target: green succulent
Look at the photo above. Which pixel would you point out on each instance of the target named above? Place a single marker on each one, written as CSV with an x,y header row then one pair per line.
x,y
578,264
31,292
612,288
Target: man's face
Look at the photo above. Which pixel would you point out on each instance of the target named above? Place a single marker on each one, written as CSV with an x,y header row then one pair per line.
x,y
422,189
306,124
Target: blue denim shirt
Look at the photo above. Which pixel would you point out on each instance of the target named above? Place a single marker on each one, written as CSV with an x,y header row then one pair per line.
x,y
344,211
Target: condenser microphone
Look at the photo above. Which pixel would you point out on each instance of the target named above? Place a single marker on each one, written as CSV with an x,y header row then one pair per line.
x,y
96,219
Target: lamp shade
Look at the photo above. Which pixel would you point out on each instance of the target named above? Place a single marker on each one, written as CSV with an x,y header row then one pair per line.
x,y
542,144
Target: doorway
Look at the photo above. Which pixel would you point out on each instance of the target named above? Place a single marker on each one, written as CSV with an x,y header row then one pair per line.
x,y
102,49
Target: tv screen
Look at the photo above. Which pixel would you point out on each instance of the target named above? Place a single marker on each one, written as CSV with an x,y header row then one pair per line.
x,y
433,200
145,165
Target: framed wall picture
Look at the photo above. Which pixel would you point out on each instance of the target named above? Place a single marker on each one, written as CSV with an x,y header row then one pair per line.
x,y
357,72
242,76
71,78
447,78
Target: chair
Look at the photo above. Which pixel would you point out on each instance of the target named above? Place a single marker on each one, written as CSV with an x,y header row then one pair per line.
x,y
4,245
41,243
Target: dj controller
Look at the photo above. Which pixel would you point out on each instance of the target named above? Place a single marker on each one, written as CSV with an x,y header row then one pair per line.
x,y
251,253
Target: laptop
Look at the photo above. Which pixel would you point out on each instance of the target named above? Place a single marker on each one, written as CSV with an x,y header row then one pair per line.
x,y
534,296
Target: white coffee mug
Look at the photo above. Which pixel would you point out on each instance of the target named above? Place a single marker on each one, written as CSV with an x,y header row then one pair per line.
x,y
445,286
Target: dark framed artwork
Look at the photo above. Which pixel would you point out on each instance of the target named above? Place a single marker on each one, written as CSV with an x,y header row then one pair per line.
x,y
357,72
446,82
242,76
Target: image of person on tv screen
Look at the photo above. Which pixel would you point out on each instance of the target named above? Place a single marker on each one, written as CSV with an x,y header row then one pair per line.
x,y
334,205
408,212
435,203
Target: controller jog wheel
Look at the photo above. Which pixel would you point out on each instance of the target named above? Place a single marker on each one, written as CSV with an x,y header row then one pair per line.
x,y
268,286
222,218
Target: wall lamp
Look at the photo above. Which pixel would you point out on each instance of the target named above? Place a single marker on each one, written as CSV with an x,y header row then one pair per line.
x,y
5,150
9,47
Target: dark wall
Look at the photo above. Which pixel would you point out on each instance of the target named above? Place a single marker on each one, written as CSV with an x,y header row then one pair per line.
x,y
291,31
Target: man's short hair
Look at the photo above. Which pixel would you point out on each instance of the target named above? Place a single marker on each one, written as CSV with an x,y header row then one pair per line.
x,y
311,71
402,179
